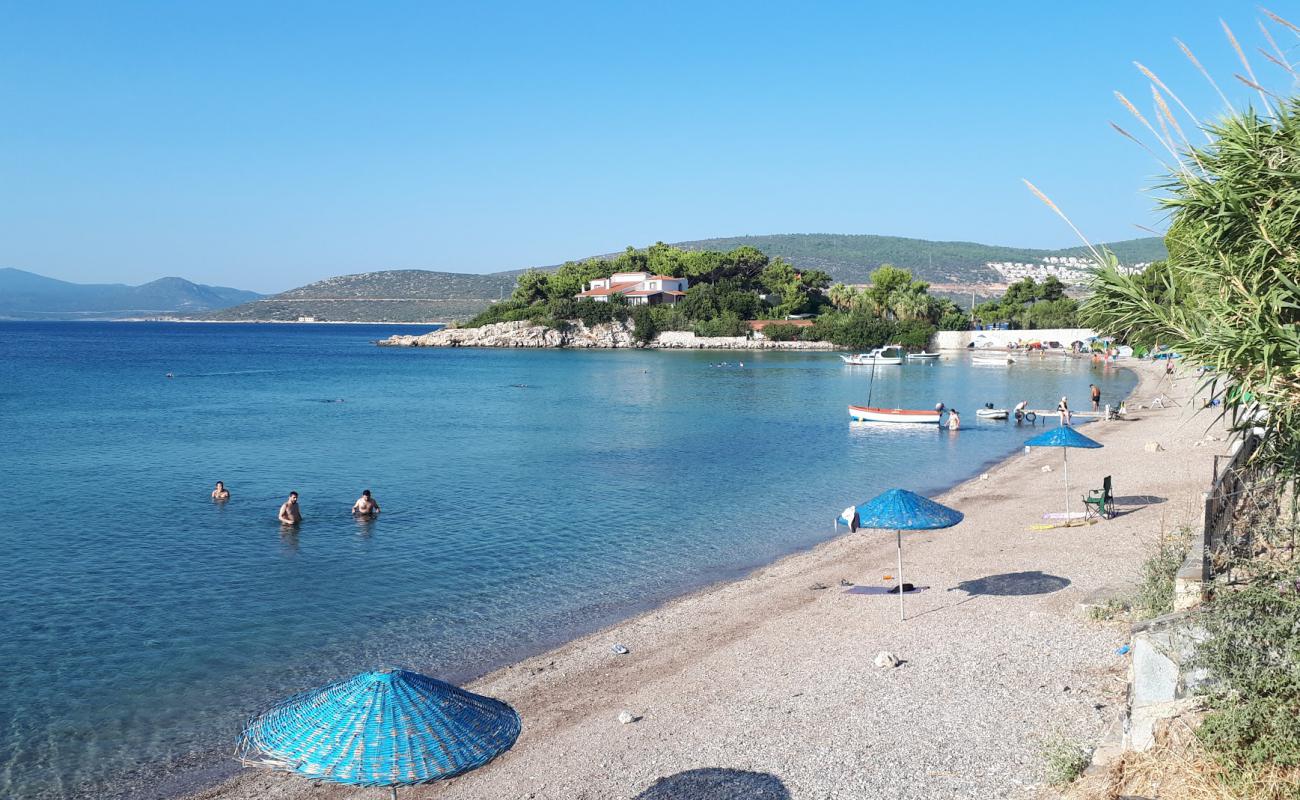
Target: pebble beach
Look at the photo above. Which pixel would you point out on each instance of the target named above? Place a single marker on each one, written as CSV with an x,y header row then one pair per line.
x,y
768,687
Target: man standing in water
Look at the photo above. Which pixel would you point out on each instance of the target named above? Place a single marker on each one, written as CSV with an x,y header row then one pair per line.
x,y
1096,396
289,513
365,506
221,494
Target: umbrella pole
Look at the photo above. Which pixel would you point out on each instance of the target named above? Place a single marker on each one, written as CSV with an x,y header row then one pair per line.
x,y
1065,454
394,788
899,535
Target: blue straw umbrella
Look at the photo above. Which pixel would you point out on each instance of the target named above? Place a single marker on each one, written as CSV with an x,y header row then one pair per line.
x,y
385,728
1064,437
900,510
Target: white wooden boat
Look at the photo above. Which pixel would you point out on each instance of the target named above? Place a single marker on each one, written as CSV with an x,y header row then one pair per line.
x,y
883,356
992,413
922,356
1001,360
869,414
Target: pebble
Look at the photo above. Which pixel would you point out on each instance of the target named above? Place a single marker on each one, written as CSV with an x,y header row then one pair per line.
x,y
1047,468
627,717
620,650
886,659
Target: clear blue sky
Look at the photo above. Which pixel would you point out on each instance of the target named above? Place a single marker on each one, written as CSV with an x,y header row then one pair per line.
x,y
266,145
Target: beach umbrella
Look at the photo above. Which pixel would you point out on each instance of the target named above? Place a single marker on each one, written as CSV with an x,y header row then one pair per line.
x,y
1064,437
900,510
385,728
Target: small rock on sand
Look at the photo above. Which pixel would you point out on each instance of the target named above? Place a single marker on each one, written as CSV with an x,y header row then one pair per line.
x,y
1153,447
886,659
627,717
1047,468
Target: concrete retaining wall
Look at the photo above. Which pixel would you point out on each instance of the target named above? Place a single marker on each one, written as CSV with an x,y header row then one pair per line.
x,y
957,340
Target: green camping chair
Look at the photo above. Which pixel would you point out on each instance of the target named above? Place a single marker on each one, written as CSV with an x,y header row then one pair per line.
x,y
1099,502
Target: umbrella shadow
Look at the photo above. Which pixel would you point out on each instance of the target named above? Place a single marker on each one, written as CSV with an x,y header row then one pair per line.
x,y
1139,500
1010,584
716,783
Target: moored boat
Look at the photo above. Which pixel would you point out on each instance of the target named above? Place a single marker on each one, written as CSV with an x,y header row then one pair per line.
x,y
883,356
869,414
992,413
1001,360
922,356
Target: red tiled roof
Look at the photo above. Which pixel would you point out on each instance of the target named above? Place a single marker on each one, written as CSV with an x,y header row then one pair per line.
x,y
760,324
615,288
663,278
675,292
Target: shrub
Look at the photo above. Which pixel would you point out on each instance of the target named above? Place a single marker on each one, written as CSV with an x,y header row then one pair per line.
x,y
862,332
644,329
726,325
594,313
913,333
1252,650
1155,595
779,332
1065,761
670,318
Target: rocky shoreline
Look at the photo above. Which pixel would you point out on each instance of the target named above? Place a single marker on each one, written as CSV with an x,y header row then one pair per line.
x,y
613,335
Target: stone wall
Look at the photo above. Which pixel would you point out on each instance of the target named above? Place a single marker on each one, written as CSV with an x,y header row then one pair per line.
x,y
958,340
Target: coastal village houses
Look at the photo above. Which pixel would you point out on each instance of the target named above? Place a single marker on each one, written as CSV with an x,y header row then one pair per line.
x,y
640,288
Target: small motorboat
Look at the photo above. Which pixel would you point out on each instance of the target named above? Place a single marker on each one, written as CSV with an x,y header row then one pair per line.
x,y
1000,360
989,412
922,356
881,356
869,414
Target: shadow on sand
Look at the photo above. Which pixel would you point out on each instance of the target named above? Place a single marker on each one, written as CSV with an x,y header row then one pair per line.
x,y
715,783
1015,583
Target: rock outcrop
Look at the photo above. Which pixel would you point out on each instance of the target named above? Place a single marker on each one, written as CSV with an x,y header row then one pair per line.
x,y
522,334
579,336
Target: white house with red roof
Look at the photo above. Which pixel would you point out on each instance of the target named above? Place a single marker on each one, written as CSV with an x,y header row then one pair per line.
x,y
640,288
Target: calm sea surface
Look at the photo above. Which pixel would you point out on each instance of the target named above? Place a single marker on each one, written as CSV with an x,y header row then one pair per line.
x,y
528,496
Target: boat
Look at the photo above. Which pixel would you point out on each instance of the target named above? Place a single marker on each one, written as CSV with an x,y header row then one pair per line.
x,y
884,356
869,414
992,359
922,356
992,413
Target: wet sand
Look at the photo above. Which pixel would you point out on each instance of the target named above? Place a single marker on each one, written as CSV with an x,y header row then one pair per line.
x,y
765,688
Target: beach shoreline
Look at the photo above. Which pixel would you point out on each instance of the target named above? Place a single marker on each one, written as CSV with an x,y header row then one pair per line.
x,y
571,694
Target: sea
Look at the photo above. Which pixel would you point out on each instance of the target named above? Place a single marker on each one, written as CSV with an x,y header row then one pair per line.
x,y
528,496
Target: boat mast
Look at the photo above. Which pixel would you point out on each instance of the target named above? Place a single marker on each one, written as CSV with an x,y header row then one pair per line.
x,y
872,383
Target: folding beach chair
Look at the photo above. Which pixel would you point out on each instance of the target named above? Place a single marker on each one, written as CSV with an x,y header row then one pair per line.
x,y
1099,502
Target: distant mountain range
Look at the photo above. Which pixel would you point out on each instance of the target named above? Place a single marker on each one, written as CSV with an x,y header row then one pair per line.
x,y
26,295
424,295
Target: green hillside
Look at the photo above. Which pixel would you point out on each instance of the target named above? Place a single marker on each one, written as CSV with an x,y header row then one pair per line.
x,y
851,258
406,295
414,295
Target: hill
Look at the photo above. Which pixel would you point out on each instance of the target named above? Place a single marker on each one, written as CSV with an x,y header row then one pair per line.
x,y
406,295
26,295
425,296
851,258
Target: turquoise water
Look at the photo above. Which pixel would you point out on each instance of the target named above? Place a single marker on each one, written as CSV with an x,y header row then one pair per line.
x,y
528,496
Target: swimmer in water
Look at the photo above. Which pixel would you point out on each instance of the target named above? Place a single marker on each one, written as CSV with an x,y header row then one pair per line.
x,y
365,506
954,420
221,494
289,513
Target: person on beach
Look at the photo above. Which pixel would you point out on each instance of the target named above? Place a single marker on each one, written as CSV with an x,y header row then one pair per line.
x,y
1063,408
365,506
289,513
1096,396
220,494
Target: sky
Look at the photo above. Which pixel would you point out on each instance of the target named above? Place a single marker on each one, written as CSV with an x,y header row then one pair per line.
x,y
268,145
